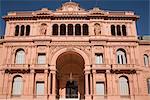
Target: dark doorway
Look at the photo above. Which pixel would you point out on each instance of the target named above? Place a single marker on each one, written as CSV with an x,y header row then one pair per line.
x,y
71,89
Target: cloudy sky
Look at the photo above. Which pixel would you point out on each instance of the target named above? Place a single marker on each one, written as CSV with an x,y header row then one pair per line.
x,y
140,7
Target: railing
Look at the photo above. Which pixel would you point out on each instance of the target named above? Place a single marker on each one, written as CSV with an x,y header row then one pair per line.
x,y
100,66
123,66
17,66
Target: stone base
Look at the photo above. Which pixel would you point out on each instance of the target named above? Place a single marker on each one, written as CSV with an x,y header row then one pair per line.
x,y
88,97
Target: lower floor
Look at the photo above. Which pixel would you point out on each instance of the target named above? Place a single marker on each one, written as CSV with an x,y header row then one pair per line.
x,y
71,78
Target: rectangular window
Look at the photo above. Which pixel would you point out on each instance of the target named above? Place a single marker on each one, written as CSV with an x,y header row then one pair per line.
x,y
100,88
148,83
99,58
41,58
40,88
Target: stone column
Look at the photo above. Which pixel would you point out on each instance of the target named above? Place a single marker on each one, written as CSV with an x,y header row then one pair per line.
x,y
86,84
49,83
74,30
54,83
46,83
31,83
58,30
53,72
2,81
91,84
81,29
87,95
94,82
66,30
109,81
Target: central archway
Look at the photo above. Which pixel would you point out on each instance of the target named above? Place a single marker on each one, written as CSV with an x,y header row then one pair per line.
x,y
70,75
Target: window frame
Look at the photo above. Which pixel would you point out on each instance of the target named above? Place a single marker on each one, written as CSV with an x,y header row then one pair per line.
x,y
99,59
43,61
20,58
103,93
122,85
38,93
15,84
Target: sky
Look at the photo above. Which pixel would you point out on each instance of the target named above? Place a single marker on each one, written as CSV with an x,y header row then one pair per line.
x,y
140,7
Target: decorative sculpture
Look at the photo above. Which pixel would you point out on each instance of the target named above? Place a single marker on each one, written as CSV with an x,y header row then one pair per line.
x,y
97,29
43,29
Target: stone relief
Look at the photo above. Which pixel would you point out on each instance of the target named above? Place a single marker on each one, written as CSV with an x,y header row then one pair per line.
x,y
43,29
97,29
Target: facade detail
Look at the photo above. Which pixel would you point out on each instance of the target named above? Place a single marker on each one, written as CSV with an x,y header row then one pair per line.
x,y
73,54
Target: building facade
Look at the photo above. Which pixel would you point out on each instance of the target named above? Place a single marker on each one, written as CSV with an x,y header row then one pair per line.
x,y
73,54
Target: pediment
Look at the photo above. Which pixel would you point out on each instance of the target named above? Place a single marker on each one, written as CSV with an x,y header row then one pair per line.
x,y
97,10
43,11
70,7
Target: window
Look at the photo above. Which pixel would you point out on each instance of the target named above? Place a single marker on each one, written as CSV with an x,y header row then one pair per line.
x,y
17,30
85,29
113,30
146,60
55,29
27,30
118,30
148,85
20,57
70,29
17,86
40,88
22,30
124,86
121,56
77,29
100,89
41,58
62,29
124,30
99,58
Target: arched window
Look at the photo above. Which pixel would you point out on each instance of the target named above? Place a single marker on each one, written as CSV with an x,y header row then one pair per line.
x,y
121,56
22,30
148,85
146,60
17,30
85,29
77,29
124,30
118,30
20,57
62,29
27,30
55,29
124,86
113,30
17,88
70,29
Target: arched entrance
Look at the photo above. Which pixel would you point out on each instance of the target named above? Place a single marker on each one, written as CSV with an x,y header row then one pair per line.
x,y
70,75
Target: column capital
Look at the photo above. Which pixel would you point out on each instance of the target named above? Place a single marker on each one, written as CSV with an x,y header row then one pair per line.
x,y
108,71
46,71
94,71
32,71
87,72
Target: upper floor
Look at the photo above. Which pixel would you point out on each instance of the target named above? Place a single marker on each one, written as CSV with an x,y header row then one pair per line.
x,y
71,20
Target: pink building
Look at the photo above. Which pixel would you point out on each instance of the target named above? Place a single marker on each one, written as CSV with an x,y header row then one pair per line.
x,y
73,54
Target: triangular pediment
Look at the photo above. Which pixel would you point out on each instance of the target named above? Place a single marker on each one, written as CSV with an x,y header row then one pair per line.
x,y
97,10
43,11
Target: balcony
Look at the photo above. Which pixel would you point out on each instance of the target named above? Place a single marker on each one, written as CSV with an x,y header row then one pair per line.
x,y
16,67
101,67
40,66
123,66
